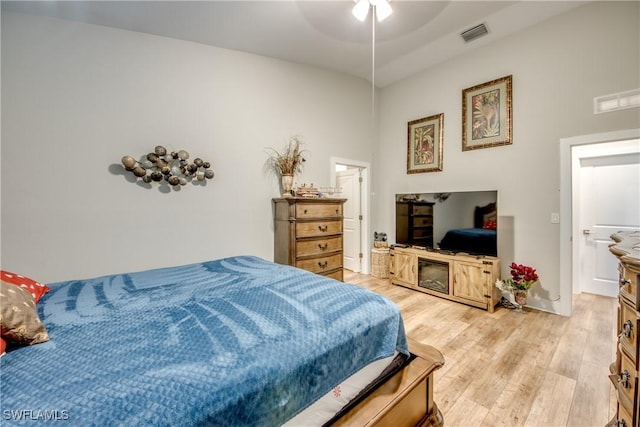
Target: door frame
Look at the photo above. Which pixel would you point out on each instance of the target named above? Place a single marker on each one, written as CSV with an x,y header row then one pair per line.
x,y
365,204
567,262
355,174
579,153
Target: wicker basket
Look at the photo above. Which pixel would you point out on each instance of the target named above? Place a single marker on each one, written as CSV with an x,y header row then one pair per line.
x,y
380,244
380,263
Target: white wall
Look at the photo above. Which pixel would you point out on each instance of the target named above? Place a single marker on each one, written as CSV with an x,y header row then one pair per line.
x,y
76,98
558,66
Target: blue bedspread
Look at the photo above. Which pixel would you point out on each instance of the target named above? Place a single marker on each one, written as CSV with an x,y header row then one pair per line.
x,y
471,240
237,341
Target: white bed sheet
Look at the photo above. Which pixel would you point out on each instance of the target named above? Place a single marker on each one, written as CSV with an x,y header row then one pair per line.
x,y
323,409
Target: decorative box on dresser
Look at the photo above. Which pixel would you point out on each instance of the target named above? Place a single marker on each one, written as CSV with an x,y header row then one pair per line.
x,y
624,371
308,234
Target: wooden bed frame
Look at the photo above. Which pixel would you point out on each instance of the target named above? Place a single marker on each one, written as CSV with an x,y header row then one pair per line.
x,y
480,211
406,399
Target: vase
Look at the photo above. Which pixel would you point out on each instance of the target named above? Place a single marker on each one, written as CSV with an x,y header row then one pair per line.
x,y
287,184
520,297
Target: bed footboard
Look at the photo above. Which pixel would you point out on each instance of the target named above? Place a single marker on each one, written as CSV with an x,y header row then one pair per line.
x,y
406,399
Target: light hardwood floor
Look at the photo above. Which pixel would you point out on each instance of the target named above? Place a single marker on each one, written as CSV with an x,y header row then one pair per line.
x,y
513,369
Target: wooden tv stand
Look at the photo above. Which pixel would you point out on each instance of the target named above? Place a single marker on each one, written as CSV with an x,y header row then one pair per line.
x,y
463,278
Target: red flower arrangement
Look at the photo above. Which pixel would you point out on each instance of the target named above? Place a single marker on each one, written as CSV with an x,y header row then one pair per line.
x,y
522,278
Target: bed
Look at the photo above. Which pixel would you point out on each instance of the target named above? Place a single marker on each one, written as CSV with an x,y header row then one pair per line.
x,y
237,341
479,240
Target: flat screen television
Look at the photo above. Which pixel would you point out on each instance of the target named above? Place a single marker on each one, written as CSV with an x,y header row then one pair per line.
x,y
463,221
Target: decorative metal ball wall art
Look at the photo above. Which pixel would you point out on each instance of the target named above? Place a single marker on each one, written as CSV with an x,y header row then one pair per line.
x,y
173,167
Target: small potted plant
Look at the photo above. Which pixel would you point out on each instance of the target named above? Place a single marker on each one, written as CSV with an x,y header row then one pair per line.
x,y
522,279
287,163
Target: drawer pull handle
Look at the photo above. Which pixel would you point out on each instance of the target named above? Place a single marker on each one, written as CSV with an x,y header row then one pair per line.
x,y
337,211
323,247
627,328
305,211
323,228
323,264
624,379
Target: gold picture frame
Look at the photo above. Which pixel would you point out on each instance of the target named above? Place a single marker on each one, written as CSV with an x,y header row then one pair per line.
x,y
424,144
487,116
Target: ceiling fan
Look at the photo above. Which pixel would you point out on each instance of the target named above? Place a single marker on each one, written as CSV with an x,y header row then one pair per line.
x,y
382,9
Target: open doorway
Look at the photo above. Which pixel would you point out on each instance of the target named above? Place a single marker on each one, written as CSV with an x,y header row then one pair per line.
x,y
352,177
606,199
593,169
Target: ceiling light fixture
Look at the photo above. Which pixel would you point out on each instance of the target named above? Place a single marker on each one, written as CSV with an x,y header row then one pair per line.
x,y
382,9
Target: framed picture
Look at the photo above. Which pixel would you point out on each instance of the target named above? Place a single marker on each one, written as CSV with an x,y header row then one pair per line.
x,y
487,119
424,144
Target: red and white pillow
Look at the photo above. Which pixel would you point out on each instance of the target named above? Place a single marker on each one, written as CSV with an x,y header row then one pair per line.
x,y
36,289
490,225
19,320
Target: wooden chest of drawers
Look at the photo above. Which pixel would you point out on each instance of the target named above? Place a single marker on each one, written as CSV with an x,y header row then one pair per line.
x,y
308,234
624,371
414,223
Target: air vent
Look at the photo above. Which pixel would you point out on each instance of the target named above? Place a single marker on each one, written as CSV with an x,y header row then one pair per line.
x,y
475,32
616,101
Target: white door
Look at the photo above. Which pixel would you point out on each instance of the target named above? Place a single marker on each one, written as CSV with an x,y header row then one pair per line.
x,y
349,181
609,201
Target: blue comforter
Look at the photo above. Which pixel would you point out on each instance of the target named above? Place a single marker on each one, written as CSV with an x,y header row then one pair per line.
x,y
237,341
475,241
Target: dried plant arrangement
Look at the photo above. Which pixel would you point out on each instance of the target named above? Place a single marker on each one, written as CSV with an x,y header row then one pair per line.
x,y
290,160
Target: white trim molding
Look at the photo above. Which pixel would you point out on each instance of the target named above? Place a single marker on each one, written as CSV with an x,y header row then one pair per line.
x,y
566,226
